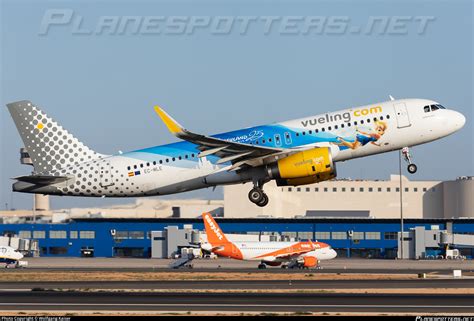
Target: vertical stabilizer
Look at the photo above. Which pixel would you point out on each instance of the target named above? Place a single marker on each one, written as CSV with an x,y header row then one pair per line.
x,y
215,236
49,145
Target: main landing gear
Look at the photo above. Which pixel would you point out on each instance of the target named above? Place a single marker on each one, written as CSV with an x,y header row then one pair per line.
x,y
258,196
408,158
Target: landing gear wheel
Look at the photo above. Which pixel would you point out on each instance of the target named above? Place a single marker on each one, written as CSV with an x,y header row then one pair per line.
x,y
264,201
408,158
412,168
256,195
262,266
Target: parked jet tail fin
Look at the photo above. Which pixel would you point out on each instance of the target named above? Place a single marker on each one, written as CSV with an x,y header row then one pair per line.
x,y
49,145
215,236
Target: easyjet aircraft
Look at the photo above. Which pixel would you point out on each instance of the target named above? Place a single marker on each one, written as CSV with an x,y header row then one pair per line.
x,y
288,254
296,152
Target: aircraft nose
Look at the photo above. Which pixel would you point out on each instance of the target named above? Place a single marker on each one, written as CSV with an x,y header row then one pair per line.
x,y
458,120
333,254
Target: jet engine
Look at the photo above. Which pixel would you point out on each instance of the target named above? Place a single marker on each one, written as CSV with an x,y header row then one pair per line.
x,y
305,167
310,261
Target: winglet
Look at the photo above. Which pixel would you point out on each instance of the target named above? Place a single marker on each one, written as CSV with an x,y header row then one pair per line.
x,y
173,126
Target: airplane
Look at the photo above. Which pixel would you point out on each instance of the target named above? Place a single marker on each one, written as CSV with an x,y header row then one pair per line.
x,y
295,152
287,254
10,257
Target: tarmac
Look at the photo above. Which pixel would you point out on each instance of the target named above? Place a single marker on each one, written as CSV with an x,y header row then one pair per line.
x,y
249,296
338,265
235,302
242,284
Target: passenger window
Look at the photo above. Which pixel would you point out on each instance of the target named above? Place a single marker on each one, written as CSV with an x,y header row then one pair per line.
x,y
388,116
335,127
323,130
128,167
316,131
329,128
427,109
342,125
368,120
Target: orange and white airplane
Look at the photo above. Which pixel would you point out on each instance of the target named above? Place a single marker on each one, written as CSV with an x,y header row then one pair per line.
x,y
287,254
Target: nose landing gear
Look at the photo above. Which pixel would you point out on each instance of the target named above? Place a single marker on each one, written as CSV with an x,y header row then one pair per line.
x,y
412,168
258,196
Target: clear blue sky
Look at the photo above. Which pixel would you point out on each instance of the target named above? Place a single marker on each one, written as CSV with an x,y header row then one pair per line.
x,y
102,87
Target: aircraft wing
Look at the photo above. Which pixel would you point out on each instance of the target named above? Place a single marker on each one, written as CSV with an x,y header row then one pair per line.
x,y
237,153
292,254
284,253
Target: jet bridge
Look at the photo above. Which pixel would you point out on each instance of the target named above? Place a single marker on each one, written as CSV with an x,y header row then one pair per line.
x,y
465,240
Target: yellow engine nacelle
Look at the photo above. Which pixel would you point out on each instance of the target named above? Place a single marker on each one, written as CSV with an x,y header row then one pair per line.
x,y
306,167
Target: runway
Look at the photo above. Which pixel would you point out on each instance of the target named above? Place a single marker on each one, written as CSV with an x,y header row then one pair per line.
x,y
242,302
339,265
245,284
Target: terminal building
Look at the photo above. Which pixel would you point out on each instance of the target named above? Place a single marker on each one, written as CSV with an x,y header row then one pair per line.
x,y
358,218
350,237
358,198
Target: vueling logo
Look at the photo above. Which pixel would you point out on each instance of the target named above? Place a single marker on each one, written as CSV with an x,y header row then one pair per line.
x,y
214,228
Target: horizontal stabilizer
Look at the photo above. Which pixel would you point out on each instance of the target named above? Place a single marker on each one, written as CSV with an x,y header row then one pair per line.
x,y
42,179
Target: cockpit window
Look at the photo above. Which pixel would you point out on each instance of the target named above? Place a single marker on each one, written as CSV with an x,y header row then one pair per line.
x,y
434,107
440,106
427,109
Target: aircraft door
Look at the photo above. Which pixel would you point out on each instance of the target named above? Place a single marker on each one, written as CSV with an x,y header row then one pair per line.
x,y
287,138
105,174
277,140
401,112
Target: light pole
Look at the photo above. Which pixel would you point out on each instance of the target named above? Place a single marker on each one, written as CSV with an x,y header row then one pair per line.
x,y
401,202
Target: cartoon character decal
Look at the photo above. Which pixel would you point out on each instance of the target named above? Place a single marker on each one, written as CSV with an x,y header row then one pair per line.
x,y
362,138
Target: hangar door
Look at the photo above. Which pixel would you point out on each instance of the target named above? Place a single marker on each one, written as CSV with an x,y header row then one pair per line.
x,y
401,112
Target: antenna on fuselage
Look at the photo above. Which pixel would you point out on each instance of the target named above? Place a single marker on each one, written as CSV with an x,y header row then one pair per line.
x,y
391,98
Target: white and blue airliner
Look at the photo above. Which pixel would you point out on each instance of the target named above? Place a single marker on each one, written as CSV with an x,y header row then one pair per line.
x,y
295,152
